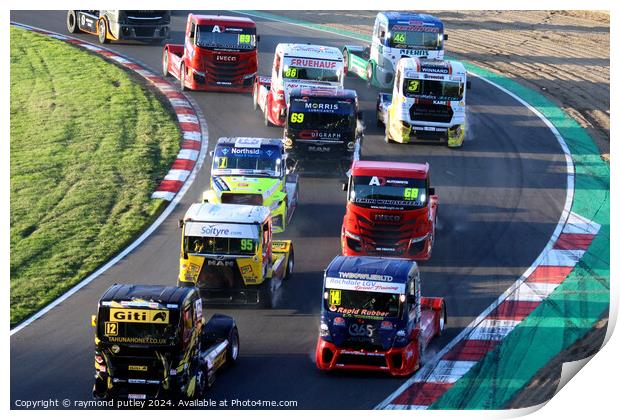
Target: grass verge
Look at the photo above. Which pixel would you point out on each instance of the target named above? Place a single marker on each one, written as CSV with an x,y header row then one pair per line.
x,y
88,146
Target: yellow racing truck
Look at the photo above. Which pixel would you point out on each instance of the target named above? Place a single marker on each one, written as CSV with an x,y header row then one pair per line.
x,y
228,252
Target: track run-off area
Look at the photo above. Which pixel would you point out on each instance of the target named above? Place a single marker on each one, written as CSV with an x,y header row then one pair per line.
x,y
503,197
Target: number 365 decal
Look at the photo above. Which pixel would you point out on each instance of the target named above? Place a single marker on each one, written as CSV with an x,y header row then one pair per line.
x,y
361,330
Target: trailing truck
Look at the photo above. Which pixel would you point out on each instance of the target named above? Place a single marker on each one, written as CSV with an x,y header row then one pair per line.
x,y
219,54
395,35
391,210
121,25
294,66
373,317
152,342
228,252
427,103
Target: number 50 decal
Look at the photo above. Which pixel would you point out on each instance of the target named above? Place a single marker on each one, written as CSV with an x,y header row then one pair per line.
x,y
297,117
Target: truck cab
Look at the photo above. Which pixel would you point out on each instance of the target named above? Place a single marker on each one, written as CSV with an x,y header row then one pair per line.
x,y
373,317
250,170
428,102
395,35
323,125
219,54
152,342
391,210
228,252
296,65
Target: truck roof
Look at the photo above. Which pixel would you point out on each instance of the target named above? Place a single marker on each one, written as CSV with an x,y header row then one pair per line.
x,y
397,169
226,213
411,18
369,268
438,67
310,51
324,92
248,142
223,20
160,294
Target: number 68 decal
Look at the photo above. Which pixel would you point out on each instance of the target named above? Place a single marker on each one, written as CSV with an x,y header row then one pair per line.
x,y
361,330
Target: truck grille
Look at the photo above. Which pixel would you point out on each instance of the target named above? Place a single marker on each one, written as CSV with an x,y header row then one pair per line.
x,y
430,113
251,199
362,359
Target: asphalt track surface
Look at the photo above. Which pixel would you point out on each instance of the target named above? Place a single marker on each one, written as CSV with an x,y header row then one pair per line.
x,y
501,196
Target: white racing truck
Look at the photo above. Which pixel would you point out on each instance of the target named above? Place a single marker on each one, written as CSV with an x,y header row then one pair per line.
x,y
295,66
395,35
426,103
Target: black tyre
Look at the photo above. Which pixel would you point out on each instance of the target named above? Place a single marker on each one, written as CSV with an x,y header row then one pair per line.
x,y
164,64
182,77
265,295
72,22
387,137
444,318
102,31
369,74
255,97
290,264
232,353
266,120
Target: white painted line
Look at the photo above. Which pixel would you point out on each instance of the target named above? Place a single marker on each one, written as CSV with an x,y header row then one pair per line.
x,y
188,154
533,292
191,135
164,195
174,201
498,323
177,175
179,103
187,118
563,257
449,371
490,334
144,73
90,47
119,59
579,224
405,407
60,37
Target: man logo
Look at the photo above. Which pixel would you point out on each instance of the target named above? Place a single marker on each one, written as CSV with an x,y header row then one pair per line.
x,y
217,29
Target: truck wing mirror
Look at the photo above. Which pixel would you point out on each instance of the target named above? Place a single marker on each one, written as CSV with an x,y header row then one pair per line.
x,y
445,37
93,320
411,299
180,223
345,186
469,84
382,34
431,191
257,38
211,153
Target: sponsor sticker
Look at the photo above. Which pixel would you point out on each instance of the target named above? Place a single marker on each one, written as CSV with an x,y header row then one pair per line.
x,y
150,316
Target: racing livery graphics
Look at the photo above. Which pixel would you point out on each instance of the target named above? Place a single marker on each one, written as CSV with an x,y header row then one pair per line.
x,y
391,210
373,318
296,66
219,54
253,171
395,35
427,102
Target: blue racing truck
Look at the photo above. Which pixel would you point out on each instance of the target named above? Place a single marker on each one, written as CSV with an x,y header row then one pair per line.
x,y
395,35
373,318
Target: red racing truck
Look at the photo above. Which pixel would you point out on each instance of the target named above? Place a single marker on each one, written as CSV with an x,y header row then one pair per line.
x,y
391,210
219,54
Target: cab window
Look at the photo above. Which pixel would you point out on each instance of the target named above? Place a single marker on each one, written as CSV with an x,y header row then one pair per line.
x,y
192,32
276,64
188,323
266,235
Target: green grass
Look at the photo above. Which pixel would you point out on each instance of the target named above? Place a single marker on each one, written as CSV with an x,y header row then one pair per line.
x,y
88,146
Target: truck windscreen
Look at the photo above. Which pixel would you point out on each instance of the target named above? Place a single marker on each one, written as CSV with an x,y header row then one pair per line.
x,y
220,246
330,115
218,36
323,71
363,304
402,36
440,90
137,325
253,161
388,193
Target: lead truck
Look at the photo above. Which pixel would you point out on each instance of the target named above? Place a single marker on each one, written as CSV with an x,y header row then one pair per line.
x,y
395,35
427,103
218,54
373,317
296,66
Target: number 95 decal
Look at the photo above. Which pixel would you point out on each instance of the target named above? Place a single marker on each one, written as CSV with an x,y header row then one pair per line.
x,y
361,330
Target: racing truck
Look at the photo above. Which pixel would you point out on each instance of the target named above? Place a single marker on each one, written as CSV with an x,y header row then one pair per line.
x,y
228,252
253,171
373,318
391,210
296,65
323,125
219,54
121,25
427,102
395,35
152,342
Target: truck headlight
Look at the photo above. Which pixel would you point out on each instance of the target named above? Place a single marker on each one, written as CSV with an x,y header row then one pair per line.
x,y
352,235
419,239
324,330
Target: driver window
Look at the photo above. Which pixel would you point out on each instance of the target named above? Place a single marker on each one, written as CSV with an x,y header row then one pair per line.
x,y
276,64
187,325
192,33
266,237
382,32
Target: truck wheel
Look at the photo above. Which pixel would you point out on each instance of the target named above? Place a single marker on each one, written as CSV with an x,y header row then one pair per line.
x,y
265,295
266,120
255,97
369,74
379,122
102,31
387,137
182,77
443,320
290,264
72,24
164,64
232,354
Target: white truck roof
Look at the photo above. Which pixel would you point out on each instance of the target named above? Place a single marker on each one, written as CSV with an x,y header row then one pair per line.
x,y
438,67
226,213
310,51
